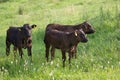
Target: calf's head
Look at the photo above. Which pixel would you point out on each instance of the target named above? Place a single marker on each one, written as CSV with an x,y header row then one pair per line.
x,y
27,30
87,28
81,35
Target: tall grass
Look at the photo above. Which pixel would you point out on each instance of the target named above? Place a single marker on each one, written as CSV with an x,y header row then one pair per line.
x,y
99,59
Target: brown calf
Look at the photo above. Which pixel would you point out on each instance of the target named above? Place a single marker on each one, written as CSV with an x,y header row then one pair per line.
x,y
64,41
20,37
85,26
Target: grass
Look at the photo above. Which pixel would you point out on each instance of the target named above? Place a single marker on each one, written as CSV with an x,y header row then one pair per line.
x,y
98,59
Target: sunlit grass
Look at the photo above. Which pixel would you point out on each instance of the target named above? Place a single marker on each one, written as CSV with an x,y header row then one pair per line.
x,y
98,59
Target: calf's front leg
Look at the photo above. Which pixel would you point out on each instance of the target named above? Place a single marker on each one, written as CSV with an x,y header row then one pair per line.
x,y
63,57
20,52
29,52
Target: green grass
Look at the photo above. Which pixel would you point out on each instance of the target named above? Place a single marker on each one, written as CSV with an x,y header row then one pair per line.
x,y
98,59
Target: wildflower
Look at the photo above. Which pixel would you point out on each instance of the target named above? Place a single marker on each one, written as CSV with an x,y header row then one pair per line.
x,y
26,69
42,64
53,78
11,62
34,69
119,63
19,71
3,68
101,67
31,64
6,70
25,63
51,73
43,72
57,64
77,66
105,68
51,62
69,76
92,60
16,61
112,67
110,58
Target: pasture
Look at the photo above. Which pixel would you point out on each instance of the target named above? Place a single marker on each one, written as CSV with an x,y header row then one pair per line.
x,y
98,59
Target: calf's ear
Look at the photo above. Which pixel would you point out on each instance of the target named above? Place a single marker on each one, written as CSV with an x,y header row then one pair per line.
x,y
33,26
85,21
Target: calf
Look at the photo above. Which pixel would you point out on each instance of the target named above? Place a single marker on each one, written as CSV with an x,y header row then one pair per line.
x,y
85,26
64,41
20,37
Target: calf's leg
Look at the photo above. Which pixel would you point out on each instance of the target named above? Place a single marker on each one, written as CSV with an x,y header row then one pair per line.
x,y
63,57
75,54
70,55
8,47
47,46
15,51
52,52
74,51
30,52
20,52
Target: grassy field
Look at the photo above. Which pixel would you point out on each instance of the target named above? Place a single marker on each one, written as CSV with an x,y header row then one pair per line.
x,y
98,59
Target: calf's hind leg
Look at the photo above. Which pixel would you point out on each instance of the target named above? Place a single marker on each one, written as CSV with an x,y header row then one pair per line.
x,y
8,47
15,51
47,46
70,55
52,52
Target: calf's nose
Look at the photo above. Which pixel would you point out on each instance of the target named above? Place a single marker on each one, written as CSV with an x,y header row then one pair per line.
x,y
86,40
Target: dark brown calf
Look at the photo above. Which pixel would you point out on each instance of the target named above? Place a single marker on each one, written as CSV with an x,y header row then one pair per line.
x,y
20,37
85,26
64,41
